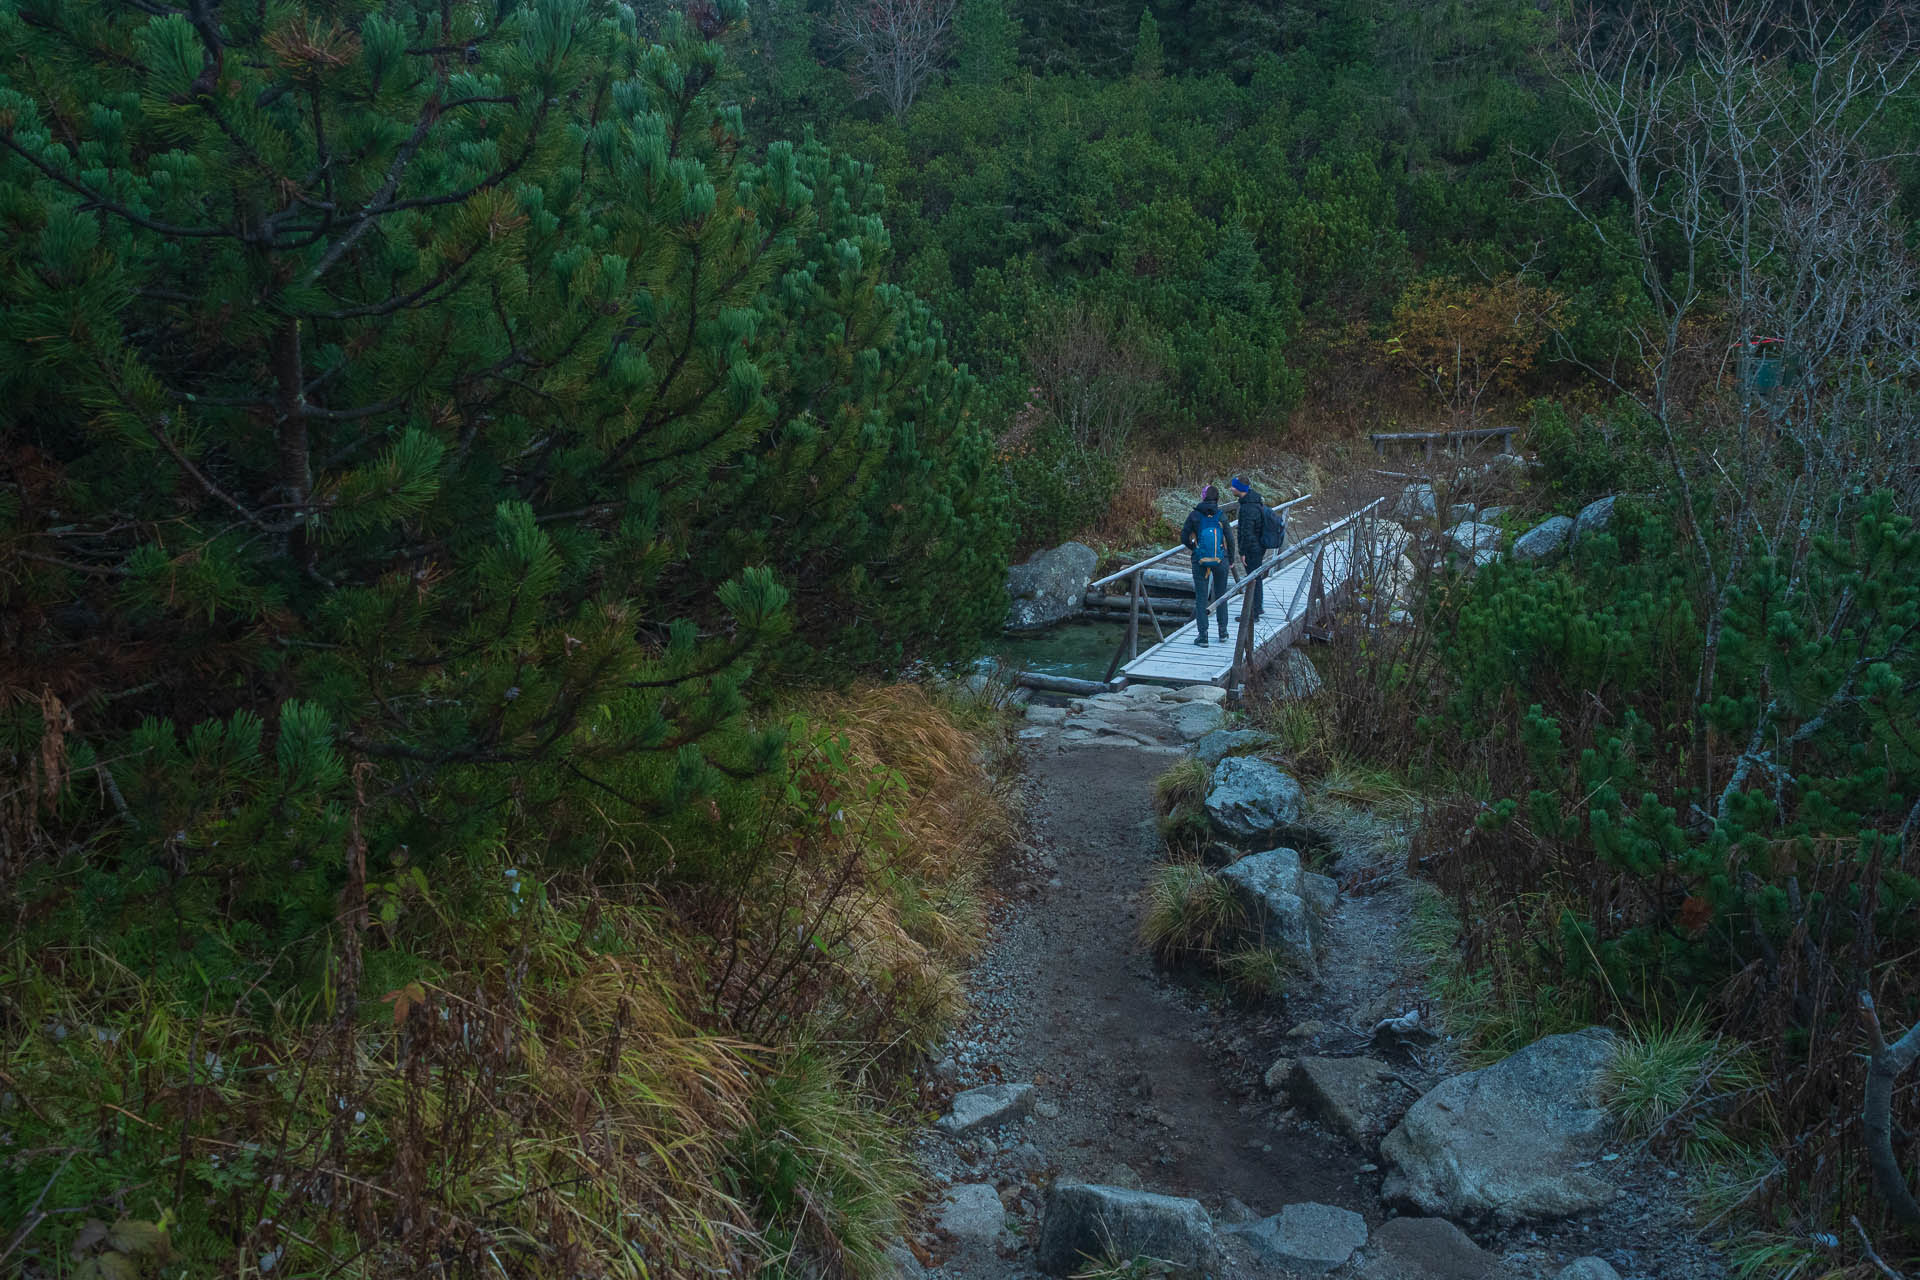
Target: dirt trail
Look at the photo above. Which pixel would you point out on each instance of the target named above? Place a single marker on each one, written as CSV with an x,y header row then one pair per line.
x,y
1143,1081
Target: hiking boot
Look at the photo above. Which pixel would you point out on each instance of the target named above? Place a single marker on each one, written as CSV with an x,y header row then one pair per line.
x,y
1201,639
1223,635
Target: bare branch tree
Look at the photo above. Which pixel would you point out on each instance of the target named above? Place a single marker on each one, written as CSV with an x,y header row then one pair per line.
x,y
896,45
1096,385
1884,1069
1739,148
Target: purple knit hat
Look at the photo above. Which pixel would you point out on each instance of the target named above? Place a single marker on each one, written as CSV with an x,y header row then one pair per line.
x,y
1209,494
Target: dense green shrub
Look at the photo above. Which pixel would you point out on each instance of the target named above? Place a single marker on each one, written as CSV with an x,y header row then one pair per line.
x,y
1728,824
433,441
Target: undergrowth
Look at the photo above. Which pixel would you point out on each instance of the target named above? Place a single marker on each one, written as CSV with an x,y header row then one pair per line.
x,y
576,1072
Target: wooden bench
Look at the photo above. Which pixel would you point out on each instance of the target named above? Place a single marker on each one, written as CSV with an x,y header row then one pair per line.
x,y
1455,439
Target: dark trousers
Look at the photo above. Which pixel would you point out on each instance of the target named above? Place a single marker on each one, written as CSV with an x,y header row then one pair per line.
x,y
1205,577
1255,594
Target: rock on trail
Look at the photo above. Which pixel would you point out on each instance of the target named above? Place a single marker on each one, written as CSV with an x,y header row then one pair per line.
x,y
1090,1223
1517,1141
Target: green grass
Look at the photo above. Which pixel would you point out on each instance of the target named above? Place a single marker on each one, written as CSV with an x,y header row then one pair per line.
x,y
1255,973
1190,912
1182,786
1186,830
1433,926
1669,1082
825,1172
1137,1268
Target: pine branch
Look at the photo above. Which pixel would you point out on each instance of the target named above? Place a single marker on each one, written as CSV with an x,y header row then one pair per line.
x,y
97,200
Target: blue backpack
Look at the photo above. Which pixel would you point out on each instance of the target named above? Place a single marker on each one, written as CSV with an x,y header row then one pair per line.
x,y
1212,539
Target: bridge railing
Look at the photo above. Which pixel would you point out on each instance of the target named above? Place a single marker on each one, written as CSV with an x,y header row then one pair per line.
x,y
1348,529
1135,577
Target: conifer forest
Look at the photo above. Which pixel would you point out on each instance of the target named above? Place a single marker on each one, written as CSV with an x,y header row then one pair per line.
x,y
506,514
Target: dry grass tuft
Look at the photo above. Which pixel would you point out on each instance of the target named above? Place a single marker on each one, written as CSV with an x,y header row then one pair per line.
x,y
1191,913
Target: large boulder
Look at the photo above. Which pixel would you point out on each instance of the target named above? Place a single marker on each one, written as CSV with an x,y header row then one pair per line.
x,y
1476,541
1084,1221
1307,1239
1544,539
1425,1249
1049,586
1360,1098
1387,541
1283,903
1415,503
1251,798
1221,743
1593,517
1293,676
1515,1142
986,1106
1195,720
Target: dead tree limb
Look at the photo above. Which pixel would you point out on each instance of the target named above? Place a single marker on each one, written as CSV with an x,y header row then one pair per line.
x,y
1884,1068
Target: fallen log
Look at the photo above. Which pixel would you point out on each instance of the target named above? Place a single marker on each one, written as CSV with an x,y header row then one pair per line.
x,y
1059,684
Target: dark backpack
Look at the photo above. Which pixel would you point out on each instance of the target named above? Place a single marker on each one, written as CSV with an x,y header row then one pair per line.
x,y
1210,541
1273,530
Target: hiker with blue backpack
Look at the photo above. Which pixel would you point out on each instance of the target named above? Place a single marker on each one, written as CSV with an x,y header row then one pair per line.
x,y
1261,530
1206,536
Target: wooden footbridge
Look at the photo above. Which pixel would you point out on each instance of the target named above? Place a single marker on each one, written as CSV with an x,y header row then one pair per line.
x,y
1300,582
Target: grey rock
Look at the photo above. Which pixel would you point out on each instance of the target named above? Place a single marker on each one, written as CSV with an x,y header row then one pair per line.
x,y
1221,743
1195,720
1425,1249
1415,503
1471,538
1032,734
972,1214
1593,517
1307,1239
1083,1221
1359,1098
1047,1110
1193,693
904,1265
1460,511
1312,1029
1251,798
1543,540
1508,1141
1040,714
1271,890
1233,1210
1293,675
1588,1269
988,1105
1278,1075
1049,586
1490,515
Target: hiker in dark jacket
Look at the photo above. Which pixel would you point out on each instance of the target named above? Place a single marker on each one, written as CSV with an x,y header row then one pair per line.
x,y
1252,539
1207,537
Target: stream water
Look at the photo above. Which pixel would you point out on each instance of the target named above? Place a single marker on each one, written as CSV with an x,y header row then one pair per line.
x,y
1078,649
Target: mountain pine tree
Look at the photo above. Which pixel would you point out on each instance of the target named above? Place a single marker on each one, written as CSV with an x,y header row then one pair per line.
x,y
440,388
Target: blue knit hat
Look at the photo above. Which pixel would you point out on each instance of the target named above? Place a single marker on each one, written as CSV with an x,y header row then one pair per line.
x,y
1237,485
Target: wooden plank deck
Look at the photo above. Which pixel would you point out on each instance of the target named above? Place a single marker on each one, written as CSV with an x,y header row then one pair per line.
x,y
1178,660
